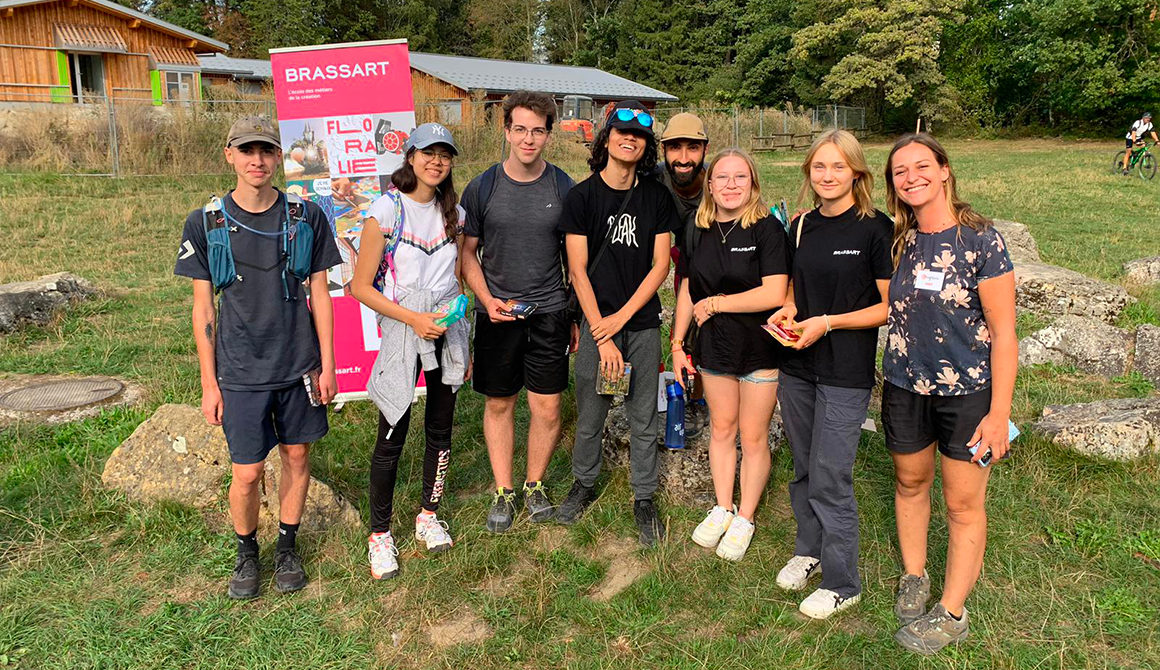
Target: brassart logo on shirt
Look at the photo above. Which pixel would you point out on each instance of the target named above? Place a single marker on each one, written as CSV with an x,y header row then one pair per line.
x,y
847,252
744,249
624,230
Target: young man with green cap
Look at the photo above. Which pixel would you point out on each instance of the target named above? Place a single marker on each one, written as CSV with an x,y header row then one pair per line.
x,y
266,356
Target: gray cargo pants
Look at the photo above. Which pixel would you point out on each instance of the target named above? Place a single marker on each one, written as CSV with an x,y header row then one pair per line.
x,y
642,348
823,424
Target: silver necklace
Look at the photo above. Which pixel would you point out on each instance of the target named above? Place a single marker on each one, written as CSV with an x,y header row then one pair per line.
x,y
725,235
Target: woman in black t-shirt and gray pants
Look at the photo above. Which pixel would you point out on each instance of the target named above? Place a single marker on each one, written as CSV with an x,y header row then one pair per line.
x,y
841,270
737,275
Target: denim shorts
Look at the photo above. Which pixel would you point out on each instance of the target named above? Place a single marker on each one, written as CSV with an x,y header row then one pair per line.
x,y
755,377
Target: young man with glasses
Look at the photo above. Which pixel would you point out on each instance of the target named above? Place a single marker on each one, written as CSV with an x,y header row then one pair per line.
x,y
256,358
620,221
512,254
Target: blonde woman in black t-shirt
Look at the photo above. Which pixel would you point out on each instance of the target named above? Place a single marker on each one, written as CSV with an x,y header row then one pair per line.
x,y
840,273
737,275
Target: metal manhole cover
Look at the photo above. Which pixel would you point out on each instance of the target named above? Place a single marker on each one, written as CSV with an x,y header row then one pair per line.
x,y
60,394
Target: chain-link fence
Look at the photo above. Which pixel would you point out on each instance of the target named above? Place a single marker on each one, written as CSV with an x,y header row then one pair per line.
x,y
136,137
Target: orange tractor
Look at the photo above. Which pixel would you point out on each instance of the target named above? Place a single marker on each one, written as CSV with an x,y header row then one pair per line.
x,y
579,116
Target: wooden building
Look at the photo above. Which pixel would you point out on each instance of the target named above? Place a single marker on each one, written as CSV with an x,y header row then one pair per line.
x,y
85,50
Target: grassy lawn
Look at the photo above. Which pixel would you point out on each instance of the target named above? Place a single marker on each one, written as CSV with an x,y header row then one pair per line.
x,y
90,580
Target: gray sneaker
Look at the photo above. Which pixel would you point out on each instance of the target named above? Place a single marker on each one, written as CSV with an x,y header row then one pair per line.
x,y
539,506
503,510
913,594
932,631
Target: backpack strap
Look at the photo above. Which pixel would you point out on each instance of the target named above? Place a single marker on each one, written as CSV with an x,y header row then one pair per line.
x,y
219,253
488,183
797,243
392,240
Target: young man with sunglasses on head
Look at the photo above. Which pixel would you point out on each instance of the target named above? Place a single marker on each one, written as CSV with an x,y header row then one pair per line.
x,y
512,254
267,365
684,144
621,221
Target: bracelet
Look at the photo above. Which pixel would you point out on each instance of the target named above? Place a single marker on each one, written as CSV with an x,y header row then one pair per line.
x,y
827,318
677,344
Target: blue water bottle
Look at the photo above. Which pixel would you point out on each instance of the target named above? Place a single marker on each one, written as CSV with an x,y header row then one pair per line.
x,y
675,416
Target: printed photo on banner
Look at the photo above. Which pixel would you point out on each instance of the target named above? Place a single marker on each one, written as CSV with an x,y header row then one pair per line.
x,y
304,149
345,202
365,144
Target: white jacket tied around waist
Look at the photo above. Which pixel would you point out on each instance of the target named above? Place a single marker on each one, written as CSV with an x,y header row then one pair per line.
x,y
393,377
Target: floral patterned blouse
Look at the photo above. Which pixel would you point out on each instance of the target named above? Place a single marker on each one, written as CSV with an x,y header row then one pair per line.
x,y
938,340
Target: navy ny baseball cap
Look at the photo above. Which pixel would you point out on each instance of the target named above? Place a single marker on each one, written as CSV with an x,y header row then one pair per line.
x,y
429,134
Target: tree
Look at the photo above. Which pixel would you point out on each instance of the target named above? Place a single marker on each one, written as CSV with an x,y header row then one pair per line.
x,y
508,29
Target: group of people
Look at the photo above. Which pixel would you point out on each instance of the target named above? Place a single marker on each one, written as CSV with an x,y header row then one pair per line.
x,y
559,268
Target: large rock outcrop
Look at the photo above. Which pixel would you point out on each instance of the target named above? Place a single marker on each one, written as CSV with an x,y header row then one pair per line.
x,y
1055,291
175,455
1090,345
1147,360
37,301
1121,430
1021,245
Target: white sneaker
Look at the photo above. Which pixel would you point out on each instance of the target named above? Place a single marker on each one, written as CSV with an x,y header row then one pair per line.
x,y
383,554
429,529
822,603
709,532
797,572
736,540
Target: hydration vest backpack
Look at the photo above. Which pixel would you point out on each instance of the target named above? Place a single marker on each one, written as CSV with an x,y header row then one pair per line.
x,y
297,243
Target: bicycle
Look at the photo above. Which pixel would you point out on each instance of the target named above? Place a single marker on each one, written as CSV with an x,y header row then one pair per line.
x,y
1141,159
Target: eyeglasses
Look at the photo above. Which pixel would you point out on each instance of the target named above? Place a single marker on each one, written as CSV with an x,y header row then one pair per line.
x,y
722,180
642,117
539,132
441,156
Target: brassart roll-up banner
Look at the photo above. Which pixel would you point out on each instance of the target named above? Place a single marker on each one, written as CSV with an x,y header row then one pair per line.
x,y
344,112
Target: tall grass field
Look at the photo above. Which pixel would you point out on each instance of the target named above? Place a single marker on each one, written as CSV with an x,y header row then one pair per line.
x,y
90,580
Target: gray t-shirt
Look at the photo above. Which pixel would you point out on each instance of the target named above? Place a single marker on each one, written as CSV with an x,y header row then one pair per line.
x,y
263,341
519,241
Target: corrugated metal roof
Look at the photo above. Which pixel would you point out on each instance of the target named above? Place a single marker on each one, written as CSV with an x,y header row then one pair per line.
x,y
71,37
125,11
246,68
502,76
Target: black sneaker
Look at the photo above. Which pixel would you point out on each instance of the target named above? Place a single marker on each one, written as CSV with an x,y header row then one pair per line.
x,y
246,578
578,500
288,573
696,418
647,521
503,510
539,506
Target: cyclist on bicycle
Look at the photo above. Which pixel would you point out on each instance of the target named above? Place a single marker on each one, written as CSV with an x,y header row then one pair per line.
x,y
1139,128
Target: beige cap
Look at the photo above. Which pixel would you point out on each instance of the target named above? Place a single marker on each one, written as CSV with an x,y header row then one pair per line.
x,y
684,126
253,129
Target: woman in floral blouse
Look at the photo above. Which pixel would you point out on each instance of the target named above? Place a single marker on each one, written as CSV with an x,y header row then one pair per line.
x,y
950,366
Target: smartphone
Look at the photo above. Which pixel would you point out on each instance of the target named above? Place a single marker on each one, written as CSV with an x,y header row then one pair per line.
x,y
781,333
519,309
1012,433
313,392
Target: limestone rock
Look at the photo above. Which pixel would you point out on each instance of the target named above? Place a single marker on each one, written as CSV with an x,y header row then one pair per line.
x,y
1143,270
36,301
1020,244
1090,345
1121,430
1147,360
176,455
684,474
1055,291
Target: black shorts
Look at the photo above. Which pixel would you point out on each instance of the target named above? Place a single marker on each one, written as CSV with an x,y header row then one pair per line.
x,y
257,421
914,421
531,353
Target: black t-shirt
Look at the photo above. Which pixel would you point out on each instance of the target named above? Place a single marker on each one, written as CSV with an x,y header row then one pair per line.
x,y
729,342
263,341
589,209
835,268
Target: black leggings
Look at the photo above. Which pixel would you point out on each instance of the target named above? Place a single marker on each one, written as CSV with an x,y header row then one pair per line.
x,y
436,458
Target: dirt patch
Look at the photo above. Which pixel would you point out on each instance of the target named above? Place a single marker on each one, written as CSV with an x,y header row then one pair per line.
x,y
500,584
551,538
624,568
466,628
190,588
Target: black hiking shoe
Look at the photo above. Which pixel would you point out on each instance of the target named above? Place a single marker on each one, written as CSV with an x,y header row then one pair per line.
x,y
503,510
647,521
245,580
539,506
578,500
288,573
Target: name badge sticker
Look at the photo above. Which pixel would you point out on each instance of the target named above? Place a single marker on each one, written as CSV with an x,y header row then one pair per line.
x,y
929,280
